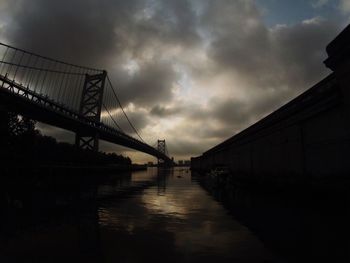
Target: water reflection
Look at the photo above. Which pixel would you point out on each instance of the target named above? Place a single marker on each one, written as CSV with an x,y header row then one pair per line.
x,y
176,221
155,215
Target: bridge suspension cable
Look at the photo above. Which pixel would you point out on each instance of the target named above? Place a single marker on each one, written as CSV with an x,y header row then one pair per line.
x,y
40,69
22,51
121,107
110,115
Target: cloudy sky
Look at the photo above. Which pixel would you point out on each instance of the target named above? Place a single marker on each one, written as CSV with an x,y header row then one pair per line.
x,y
193,72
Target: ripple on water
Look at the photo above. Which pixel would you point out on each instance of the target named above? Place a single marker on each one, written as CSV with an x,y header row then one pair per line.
x,y
180,222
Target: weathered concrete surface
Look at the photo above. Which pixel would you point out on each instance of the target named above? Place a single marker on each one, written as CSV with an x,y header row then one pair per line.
x,y
308,138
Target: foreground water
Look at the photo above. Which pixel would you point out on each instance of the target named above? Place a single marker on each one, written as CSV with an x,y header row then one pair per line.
x,y
166,216
150,216
175,220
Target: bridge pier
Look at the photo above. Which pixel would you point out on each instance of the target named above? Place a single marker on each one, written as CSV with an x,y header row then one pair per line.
x,y
161,146
90,107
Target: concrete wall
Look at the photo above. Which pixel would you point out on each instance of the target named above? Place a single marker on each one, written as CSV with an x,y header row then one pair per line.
x,y
308,137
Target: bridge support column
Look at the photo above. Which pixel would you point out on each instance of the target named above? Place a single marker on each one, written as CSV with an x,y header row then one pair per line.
x,y
90,107
161,148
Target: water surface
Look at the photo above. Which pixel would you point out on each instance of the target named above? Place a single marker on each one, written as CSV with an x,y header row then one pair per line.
x,y
148,216
175,220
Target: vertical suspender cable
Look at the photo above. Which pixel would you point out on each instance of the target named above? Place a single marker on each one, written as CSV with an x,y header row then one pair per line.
x,y
45,75
26,70
32,72
3,60
61,78
38,75
19,64
11,62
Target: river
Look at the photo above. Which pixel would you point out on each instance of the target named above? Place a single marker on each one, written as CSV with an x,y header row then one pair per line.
x,y
156,216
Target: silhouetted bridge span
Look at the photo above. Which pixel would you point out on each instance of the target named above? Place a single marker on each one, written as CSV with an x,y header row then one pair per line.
x,y
75,98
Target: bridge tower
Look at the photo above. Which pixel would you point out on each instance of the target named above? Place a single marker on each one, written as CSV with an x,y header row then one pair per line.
x,y
161,146
90,107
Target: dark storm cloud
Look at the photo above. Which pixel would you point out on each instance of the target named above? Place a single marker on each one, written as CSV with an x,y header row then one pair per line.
x,y
235,115
300,50
172,23
79,31
268,58
139,119
106,34
162,111
238,36
150,85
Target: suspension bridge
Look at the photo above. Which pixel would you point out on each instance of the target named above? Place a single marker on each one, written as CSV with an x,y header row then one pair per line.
x,y
72,97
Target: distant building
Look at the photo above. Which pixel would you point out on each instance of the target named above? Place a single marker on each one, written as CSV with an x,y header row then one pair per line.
x,y
187,163
181,162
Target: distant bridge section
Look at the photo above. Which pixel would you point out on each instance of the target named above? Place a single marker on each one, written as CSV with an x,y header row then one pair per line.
x,y
306,139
